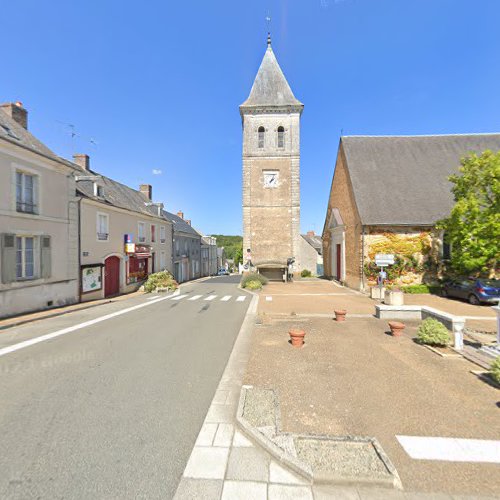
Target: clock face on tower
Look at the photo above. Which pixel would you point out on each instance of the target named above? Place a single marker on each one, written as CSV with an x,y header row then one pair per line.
x,y
271,178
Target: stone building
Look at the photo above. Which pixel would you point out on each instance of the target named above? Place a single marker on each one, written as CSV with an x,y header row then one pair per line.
x,y
271,168
208,255
38,231
124,236
386,196
311,252
186,251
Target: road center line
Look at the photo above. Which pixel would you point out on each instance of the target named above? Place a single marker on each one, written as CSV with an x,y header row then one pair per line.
x,y
64,331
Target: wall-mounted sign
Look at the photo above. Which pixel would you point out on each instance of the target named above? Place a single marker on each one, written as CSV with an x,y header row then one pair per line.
x,y
129,247
91,278
127,238
384,259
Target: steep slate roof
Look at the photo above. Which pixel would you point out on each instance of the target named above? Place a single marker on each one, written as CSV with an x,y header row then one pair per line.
x,y
116,194
315,241
11,131
180,225
270,87
404,179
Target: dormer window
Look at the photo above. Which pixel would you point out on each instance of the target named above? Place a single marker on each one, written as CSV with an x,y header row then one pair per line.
x,y
262,132
98,190
281,137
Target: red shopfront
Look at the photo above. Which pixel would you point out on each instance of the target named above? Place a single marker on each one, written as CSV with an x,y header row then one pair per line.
x,y
138,264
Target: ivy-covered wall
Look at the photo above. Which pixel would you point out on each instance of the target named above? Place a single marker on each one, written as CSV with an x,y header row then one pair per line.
x,y
416,254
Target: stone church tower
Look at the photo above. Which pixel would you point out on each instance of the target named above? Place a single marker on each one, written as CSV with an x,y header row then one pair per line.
x,y
271,170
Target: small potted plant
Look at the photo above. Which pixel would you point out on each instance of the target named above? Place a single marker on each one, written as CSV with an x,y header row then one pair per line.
x,y
297,336
396,328
340,314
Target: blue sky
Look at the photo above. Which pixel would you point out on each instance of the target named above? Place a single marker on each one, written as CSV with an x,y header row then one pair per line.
x,y
155,85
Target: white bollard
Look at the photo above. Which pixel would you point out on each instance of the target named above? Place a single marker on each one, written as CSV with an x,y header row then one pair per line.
x,y
458,332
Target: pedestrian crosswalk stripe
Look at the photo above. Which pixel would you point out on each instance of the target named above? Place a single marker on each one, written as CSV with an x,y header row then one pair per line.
x,y
194,297
179,297
241,298
211,297
225,298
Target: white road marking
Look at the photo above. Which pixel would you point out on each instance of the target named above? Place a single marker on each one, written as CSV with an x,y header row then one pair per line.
x,y
194,297
226,298
451,449
269,298
179,297
241,298
211,297
64,331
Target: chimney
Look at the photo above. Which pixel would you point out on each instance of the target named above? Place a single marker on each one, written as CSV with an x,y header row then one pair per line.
x,y
188,221
82,160
310,233
146,190
180,214
16,111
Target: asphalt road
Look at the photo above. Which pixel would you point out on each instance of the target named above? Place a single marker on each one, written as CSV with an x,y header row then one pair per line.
x,y
112,410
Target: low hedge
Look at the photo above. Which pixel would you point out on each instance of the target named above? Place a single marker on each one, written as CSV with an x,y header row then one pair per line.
x,y
253,285
421,288
495,370
163,279
433,332
306,273
249,277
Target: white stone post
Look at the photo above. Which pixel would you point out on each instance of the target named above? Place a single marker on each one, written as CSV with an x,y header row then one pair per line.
x,y
458,333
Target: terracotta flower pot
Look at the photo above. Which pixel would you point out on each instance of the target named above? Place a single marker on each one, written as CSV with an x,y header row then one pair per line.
x,y
396,328
297,337
340,315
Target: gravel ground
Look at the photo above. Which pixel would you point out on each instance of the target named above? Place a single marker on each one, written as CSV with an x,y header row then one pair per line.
x,y
353,378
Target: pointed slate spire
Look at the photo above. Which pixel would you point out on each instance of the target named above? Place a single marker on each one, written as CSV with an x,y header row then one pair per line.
x,y
270,88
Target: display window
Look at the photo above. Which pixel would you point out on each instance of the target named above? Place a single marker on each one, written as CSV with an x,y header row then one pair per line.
x,y
137,269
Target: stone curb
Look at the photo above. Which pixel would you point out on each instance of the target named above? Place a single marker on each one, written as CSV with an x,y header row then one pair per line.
x,y
304,469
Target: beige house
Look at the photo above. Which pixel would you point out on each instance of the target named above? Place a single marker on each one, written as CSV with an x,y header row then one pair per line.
x,y
387,194
124,236
311,253
38,231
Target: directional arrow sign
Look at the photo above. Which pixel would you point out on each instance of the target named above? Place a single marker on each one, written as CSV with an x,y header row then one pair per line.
x,y
384,259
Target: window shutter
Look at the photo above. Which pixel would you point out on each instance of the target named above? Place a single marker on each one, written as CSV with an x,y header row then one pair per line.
x,y
45,257
8,257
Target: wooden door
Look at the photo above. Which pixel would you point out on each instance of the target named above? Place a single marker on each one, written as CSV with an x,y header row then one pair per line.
x,y
339,261
111,276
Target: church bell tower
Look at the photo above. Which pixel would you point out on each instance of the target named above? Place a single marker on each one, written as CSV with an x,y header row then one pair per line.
x,y
271,170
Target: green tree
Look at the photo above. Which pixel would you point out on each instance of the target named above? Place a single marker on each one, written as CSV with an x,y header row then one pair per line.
x,y
473,227
238,256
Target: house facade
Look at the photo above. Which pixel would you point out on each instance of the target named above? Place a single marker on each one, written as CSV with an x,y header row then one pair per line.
x,y
386,196
271,171
208,255
186,248
311,250
38,231
124,236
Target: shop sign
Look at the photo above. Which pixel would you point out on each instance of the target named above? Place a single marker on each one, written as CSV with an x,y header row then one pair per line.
x,y
130,248
142,251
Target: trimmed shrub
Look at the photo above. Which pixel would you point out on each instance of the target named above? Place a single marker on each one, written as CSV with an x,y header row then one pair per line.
x,y
433,332
253,285
306,273
163,279
253,277
495,370
421,288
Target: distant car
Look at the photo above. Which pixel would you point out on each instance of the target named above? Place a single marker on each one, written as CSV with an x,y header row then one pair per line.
x,y
223,272
476,291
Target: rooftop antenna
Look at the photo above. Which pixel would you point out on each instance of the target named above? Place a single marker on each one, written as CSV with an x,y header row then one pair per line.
x,y
268,20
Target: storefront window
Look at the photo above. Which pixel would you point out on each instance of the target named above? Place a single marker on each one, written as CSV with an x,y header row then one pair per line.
x,y
137,269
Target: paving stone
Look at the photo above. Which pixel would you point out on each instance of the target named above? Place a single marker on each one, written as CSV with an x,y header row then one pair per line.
x,y
324,492
220,414
289,492
249,464
244,490
207,463
240,440
220,396
206,435
202,489
224,435
281,475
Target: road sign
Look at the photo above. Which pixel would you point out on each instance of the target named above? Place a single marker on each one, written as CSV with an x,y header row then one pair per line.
x,y
384,259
